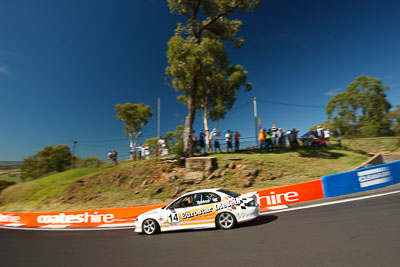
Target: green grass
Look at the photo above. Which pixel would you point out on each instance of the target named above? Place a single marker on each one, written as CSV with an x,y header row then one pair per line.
x,y
371,145
36,193
290,167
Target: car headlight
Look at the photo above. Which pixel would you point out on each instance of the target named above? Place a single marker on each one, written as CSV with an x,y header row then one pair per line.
x,y
251,203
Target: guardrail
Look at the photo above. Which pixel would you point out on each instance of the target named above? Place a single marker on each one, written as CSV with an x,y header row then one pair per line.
x,y
269,199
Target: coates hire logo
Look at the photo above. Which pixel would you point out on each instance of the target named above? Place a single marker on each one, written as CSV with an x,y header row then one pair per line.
x,y
374,176
277,199
9,218
76,218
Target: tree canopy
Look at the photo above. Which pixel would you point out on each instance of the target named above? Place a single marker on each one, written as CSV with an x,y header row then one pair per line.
x,y
198,61
361,110
48,160
394,117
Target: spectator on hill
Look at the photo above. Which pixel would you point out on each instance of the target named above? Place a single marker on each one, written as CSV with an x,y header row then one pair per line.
x,y
293,139
268,140
140,150
327,134
162,148
261,138
237,136
114,156
202,144
281,136
215,134
274,134
228,139
320,131
146,151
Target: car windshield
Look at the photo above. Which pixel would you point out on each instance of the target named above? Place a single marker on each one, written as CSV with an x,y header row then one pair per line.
x,y
228,193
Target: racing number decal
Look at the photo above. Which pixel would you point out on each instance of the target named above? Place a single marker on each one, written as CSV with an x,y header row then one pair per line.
x,y
173,218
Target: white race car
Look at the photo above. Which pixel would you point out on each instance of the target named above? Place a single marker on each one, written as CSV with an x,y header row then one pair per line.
x,y
200,209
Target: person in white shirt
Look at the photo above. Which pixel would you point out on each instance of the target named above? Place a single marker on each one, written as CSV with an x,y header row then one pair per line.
x,y
228,139
327,134
215,135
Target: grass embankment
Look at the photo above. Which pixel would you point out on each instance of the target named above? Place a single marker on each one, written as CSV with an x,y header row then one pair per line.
x,y
151,181
370,145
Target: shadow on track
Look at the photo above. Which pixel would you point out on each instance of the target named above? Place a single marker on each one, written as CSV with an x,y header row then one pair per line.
x,y
262,219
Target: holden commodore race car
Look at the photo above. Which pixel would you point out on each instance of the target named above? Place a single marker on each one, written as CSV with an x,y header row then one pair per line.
x,y
207,208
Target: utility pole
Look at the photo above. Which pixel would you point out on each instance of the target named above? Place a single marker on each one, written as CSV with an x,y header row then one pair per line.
x,y
158,117
158,124
73,153
255,117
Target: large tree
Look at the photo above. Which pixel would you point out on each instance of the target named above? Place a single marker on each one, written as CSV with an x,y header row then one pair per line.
x,y
135,116
361,110
197,56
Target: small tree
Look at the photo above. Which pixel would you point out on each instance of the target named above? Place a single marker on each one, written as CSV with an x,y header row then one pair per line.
x,y
174,141
50,159
135,116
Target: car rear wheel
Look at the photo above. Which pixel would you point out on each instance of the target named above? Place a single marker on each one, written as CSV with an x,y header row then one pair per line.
x,y
226,221
150,227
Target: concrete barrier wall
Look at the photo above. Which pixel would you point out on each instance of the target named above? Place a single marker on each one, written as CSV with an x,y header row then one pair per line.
x,y
361,180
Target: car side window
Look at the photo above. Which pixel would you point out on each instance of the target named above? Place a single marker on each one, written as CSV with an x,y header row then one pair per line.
x,y
209,197
183,202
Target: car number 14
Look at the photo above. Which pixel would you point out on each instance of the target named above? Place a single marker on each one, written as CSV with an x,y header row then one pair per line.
x,y
173,218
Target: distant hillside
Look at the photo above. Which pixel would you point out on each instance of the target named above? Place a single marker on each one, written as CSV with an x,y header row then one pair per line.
x,y
6,165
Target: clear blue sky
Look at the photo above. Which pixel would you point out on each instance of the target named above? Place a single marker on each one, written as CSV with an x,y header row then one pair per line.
x,y
64,65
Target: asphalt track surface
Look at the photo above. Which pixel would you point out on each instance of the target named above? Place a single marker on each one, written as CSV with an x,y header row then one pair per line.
x,y
359,233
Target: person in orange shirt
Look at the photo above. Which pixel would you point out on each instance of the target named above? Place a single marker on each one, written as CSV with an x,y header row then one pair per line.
x,y
261,138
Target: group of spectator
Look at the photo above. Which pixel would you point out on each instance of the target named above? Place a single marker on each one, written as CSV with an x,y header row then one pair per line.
x,y
277,137
231,138
143,151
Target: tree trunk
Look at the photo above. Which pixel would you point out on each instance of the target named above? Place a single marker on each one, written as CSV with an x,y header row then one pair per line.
x,y
131,146
204,115
187,132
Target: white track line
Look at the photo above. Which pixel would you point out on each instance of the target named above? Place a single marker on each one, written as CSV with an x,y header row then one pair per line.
x,y
332,202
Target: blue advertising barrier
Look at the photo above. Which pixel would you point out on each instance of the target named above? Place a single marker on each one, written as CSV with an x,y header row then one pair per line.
x,y
361,180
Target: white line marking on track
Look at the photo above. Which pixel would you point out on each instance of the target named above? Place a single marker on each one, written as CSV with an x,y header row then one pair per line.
x,y
14,224
332,202
116,225
278,207
55,226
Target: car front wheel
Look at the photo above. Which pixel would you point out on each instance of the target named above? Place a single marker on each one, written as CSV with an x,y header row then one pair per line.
x,y
150,227
226,221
